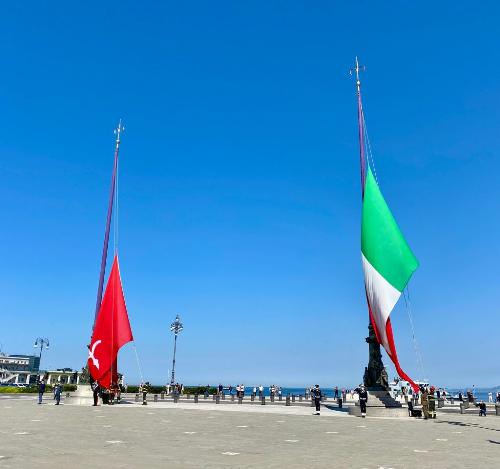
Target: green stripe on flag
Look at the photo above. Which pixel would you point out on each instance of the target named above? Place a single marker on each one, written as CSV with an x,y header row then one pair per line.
x,y
382,242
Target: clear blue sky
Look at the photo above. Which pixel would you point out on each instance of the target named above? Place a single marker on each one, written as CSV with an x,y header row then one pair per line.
x,y
239,182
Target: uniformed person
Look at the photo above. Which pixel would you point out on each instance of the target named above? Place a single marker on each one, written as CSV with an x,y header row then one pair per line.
x,y
424,399
363,399
432,403
95,391
316,395
144,389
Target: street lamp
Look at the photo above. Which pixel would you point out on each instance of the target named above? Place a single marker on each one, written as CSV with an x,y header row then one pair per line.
x,y
41,342
176,327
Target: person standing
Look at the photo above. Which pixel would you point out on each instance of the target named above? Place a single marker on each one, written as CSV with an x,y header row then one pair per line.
x,y
363,399
432,402
316,395
336,392
261,391
144,389
41,389
57,391
95,391
482,409
424,399
490,397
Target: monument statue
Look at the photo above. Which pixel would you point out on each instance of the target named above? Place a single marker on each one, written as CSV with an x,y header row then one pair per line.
x,y
375,377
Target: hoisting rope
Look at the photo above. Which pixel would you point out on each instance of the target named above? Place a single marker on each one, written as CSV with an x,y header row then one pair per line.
x,y
406,294
368,147
420,363
138,362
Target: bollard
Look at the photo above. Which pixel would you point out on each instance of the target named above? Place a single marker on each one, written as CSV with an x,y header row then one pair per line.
x,y
162,395
300,397
272,397
280,397
240,400
196,398
497,409
252,397
137,398
287,401
263,400
293,397
462,408
217,399
188,396
223,395
339,402
205,396
176,398
440,403
214,397
155,398
232,397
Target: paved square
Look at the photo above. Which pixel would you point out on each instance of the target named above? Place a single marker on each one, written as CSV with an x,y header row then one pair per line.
x,y
204,435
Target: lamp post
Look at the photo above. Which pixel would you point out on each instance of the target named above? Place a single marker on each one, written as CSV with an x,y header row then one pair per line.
x,y
41,342
176,327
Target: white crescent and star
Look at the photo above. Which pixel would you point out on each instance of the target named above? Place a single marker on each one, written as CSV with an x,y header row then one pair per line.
x,y
95,361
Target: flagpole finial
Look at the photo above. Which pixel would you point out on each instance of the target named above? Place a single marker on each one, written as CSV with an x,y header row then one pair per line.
x,y
118,132
356,70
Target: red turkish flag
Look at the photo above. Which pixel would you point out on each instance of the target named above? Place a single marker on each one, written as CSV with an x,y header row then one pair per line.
x,y
111,331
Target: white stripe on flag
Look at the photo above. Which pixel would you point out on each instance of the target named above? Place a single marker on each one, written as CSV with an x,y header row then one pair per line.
x,y
382,297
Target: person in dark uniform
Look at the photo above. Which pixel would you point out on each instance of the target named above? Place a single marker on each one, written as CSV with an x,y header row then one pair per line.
x,y
316,395
95,390
482,409
144,389
363,399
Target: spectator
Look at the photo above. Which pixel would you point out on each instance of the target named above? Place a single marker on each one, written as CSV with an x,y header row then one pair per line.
x,y
41,389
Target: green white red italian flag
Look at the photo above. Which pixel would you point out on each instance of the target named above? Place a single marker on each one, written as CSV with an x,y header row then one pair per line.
x,y
388,264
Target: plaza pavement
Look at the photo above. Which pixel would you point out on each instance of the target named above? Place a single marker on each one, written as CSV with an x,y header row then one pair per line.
x,y
208,435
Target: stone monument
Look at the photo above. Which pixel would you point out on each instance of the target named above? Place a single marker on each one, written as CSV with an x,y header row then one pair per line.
x,y
375,377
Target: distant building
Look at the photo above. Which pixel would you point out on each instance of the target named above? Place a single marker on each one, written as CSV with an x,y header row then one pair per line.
x,y
19,369
25,369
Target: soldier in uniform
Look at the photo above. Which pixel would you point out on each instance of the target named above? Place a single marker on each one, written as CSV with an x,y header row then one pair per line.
x,y
316,395
432,403
424,399
363,399
95,390
144,389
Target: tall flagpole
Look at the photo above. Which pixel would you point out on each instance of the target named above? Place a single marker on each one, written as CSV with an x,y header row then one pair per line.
x,y
361,133
104,257
375,376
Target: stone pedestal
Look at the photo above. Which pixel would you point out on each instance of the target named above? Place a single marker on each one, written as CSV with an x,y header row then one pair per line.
x,y
380,404
82,396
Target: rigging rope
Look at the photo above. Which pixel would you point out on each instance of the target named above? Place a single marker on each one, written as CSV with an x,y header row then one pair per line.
x,y
368,148
138,362
406,295
420,363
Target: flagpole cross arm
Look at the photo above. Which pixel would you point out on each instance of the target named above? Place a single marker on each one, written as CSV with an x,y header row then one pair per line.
x,y
119,129
356,70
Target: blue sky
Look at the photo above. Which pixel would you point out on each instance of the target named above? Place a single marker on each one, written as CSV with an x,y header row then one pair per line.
x,y
239,182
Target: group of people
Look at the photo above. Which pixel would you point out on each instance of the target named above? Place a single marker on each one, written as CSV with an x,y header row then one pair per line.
x,y
111,395
57,390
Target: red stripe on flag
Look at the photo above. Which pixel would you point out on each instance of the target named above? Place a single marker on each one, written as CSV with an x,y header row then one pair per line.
x,y
394,355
